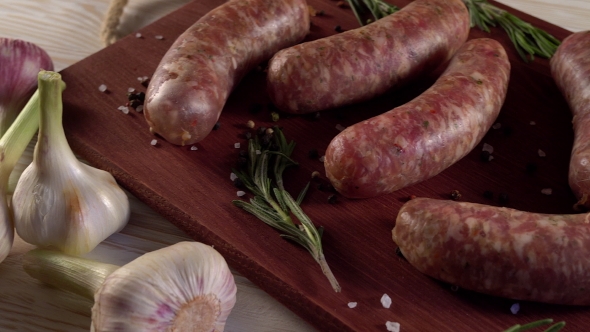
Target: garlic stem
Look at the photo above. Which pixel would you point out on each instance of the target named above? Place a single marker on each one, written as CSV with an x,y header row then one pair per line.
x,y
74,274
12,145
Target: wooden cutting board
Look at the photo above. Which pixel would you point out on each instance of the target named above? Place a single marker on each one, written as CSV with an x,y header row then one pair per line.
x,y
192,188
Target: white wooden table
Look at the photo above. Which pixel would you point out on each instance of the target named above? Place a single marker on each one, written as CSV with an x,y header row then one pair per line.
x,y
69,31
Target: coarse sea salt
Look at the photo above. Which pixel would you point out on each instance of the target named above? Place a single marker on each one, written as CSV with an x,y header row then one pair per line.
x,y
102,88
160,37
532,123
233,176
515,308
138,35
386,301
340,127
488,148
541,153
392,326
497,125
154,142
237,145
322,159
547,191
194,148
124,109
240,193
352,304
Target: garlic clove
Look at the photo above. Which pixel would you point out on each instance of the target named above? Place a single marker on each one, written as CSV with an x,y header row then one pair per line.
x,y
184,287
59,201
20,62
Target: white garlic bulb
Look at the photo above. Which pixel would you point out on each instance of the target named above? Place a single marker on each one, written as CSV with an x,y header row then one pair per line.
x,y
184,287
59,201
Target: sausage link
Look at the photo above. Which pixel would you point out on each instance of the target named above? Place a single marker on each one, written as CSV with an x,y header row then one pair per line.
x,y
570,67
360,64
498,251
421,138
195,77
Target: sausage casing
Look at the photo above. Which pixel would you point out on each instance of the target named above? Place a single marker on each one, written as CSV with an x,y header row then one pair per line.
x,y
498,251
570,67
195,77
360,64
421,138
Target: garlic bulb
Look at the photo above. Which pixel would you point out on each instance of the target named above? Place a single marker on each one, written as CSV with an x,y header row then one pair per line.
x,y
12,145
184,287
59,201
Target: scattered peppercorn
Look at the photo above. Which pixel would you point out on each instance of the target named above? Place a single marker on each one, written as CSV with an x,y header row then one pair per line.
x,y
485,156
216,126
503,198
488,194
238,183
256,108
332,199
248,135
274,116
531,168
315,175
261,131
266,139
338,28
507,130
412,197
398,252
455,195
313,154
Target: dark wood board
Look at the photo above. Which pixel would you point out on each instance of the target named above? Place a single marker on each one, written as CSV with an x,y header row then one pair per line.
x,y
192,189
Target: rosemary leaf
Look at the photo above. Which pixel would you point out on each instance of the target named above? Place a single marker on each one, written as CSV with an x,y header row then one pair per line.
x,y
553,328
273,204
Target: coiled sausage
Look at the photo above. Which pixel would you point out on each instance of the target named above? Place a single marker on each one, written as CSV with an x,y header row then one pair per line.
x,y
421,138
195,77
498,251
570,67
360,64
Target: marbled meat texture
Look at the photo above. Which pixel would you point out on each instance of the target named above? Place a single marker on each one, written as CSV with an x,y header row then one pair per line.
x,y
194,79
498,251
360,64
570,67
421,138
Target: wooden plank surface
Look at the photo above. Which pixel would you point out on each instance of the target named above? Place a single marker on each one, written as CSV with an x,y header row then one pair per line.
x,y
69,32
193,191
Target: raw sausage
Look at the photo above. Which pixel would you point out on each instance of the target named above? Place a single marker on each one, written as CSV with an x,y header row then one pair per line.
x,y
498,251
421,138
570,67
360,64
193,80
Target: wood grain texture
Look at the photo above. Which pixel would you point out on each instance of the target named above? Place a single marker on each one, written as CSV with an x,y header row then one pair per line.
x,y
68,30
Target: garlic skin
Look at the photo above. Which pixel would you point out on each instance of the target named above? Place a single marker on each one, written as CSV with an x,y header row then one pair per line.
x,y
59,201
184,287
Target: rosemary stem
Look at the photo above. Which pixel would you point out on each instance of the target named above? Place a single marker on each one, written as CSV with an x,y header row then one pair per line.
x,y
321,259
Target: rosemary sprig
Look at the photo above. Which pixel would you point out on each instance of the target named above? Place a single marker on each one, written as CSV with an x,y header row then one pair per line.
x,y
527,39
553,328
273,204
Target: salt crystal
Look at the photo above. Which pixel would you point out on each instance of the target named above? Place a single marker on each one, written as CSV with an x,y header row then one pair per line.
x,y
340,127
130,90
488,148
532,123
160,37
233,176
386,301
490,158
541,153
102,88
547,191
240,193
194,148
392,326
237,145
352,304
497,125
138,35
154,142
515,308
124,109
322,159
258,152
139,108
